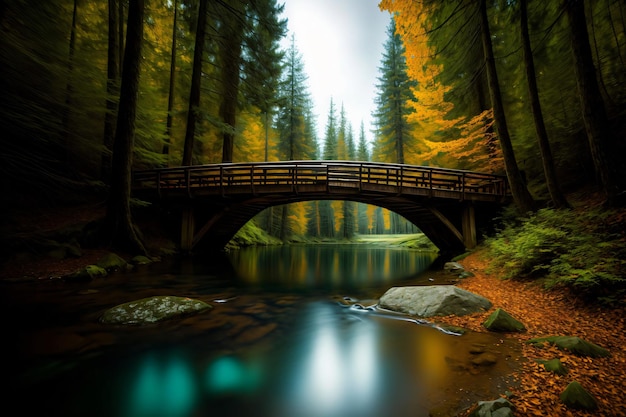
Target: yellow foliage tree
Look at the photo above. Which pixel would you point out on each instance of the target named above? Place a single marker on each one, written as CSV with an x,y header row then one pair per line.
x,y
458,143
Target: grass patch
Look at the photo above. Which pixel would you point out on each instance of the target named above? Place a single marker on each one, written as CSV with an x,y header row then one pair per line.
x,y
251,234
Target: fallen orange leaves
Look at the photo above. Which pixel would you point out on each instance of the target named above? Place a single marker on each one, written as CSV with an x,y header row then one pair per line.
x,y
548,313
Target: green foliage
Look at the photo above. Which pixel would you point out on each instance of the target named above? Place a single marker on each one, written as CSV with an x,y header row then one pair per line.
x,y
252,234
582,250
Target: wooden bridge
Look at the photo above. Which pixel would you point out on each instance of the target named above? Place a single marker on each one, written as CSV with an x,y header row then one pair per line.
x,y
445,204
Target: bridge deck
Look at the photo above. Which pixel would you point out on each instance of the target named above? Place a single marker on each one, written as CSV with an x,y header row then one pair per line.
x,y
323,178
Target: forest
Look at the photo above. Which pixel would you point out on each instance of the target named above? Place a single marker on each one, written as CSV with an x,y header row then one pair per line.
x,y
92,90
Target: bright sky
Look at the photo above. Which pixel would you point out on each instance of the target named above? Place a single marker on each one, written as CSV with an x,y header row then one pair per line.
x,y
341,43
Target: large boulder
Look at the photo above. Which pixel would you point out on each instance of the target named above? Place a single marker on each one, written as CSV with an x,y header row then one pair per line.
x,y
153,309
433,300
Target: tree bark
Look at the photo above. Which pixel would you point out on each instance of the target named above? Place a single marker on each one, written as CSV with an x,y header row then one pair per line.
x,y
69,88
119,222
230,53
170,98
113,75
196,81
557,196
592,104
521,196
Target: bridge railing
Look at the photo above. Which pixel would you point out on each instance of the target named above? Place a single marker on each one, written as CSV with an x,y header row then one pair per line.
x,y
228,178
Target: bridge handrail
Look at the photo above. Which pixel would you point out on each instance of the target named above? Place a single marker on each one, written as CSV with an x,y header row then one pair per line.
x,y
294,173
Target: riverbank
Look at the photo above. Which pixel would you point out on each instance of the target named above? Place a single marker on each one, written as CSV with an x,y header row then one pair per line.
x,y
547,313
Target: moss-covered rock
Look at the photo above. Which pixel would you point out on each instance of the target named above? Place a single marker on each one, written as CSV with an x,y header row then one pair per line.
x,y
553,365
497,408
88,273
573,344
152,310
575,396
450,329
501,321
112,262
141,260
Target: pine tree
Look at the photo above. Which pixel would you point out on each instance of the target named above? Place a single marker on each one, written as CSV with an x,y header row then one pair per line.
x,y
362,152
394,93
294,142
326,212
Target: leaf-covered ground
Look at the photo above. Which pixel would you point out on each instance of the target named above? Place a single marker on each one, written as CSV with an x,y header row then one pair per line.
x,y
547,313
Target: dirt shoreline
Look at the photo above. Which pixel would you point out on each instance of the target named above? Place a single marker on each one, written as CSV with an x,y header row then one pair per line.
x,y
547,313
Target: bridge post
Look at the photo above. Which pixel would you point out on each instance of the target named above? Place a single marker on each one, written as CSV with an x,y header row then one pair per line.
x,y
468,225
187,229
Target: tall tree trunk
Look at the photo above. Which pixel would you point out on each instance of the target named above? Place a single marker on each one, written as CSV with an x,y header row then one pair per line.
x,y
522,197
170,98
196,80
592,104
231,63
113,75
615,35
120,35
284,223
267,136
119,222
69,88
557,196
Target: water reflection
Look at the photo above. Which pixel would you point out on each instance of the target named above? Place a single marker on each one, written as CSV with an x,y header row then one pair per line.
x,y
318,358
338,371
336,361
162,387
328,266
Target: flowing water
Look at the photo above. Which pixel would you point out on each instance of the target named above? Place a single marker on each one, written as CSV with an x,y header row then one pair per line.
x,y
294,332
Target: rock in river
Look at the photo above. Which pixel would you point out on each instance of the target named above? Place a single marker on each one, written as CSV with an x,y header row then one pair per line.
x,y
433,300
152,309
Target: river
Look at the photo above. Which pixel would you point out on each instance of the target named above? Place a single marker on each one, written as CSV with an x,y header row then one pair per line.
x,y
294,332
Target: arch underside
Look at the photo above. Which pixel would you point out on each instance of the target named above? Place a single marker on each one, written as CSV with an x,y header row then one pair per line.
x,y
216,222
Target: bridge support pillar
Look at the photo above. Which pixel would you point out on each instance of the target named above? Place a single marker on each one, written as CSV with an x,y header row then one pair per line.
x,y
468,225
187,230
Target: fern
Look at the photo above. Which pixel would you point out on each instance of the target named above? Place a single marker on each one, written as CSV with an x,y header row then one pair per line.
x,y
573,249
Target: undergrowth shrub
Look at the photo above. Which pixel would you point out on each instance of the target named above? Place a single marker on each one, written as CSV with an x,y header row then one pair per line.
x,y
583,250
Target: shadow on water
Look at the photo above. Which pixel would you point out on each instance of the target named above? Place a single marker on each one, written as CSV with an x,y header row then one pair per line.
x,y
281,340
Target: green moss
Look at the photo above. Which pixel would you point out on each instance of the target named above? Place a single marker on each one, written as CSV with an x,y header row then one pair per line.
x,y
501,321
573,344
86,274
553,365
152,310
112,262
575,396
